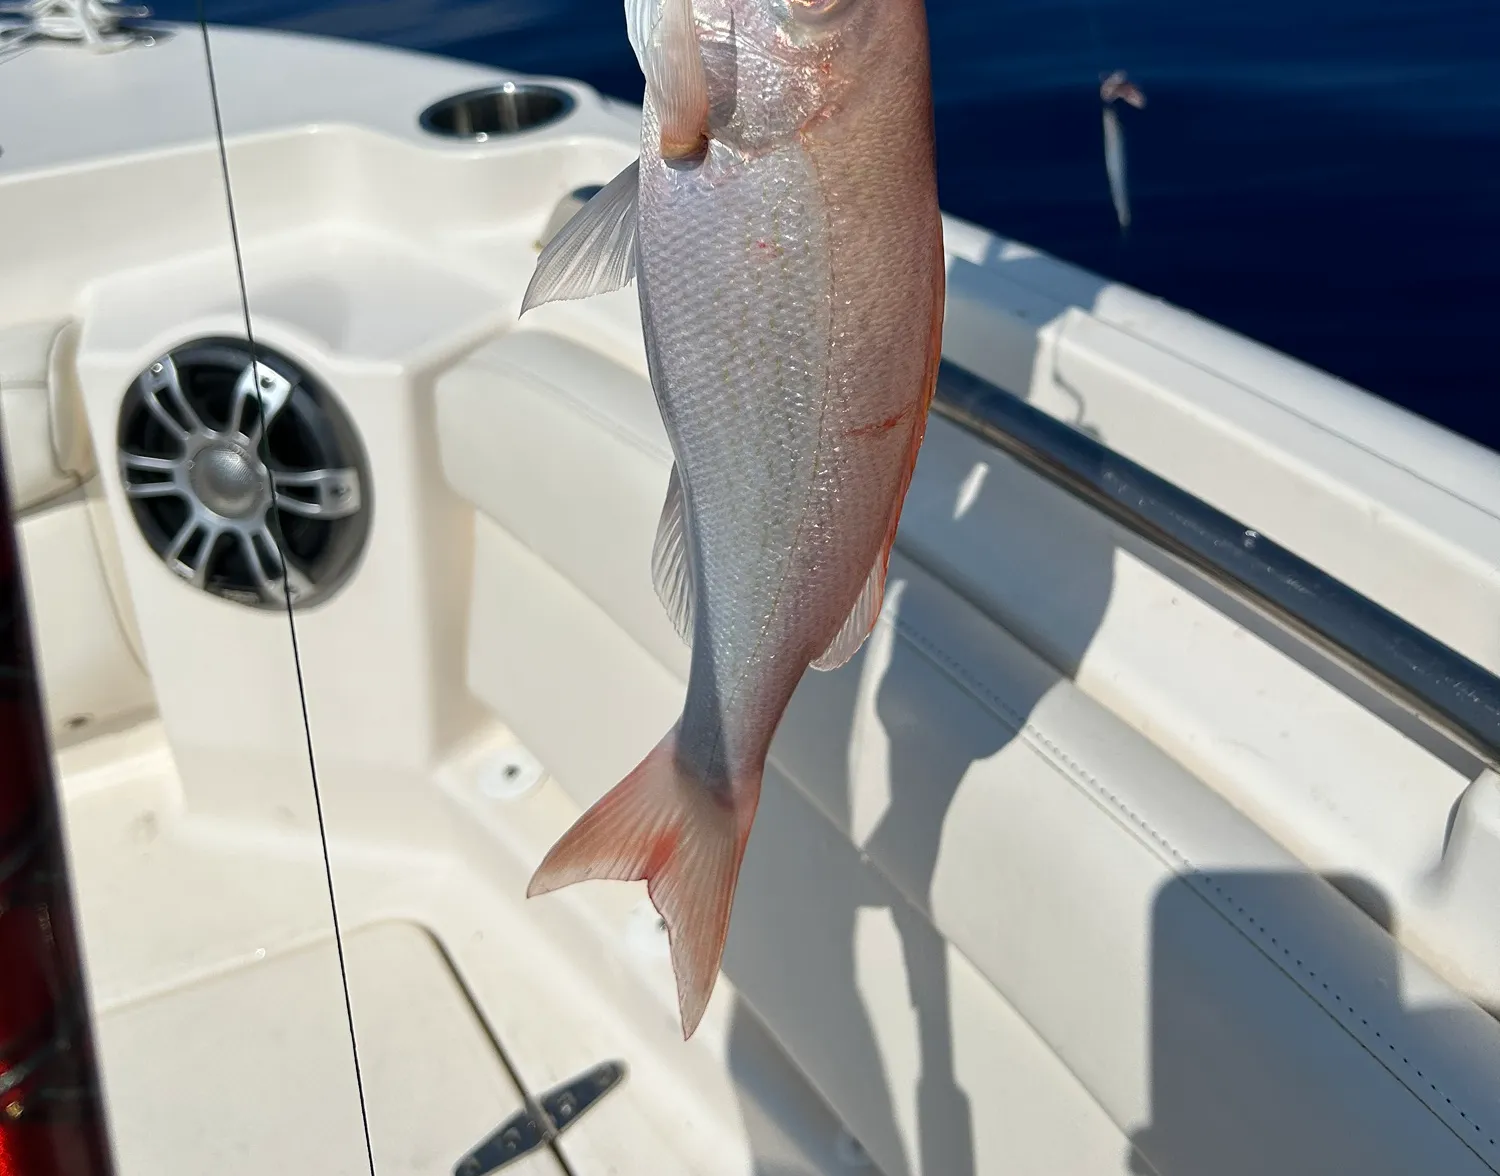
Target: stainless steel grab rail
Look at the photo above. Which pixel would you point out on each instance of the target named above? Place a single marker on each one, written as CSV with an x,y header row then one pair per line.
x,y
1434,683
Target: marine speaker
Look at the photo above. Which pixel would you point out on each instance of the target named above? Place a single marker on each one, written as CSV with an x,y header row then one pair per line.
x,y
222,452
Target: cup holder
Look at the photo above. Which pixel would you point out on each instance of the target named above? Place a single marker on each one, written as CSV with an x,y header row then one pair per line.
x,y
507,109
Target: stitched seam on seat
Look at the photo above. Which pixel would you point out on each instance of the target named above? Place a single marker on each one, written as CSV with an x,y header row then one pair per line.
x,y
1280,954
605,422
529,376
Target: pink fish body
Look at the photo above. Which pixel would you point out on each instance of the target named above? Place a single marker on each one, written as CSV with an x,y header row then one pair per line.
x,y
782,225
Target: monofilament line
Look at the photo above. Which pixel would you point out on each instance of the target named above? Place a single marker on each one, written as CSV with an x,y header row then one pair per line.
x,y
312,765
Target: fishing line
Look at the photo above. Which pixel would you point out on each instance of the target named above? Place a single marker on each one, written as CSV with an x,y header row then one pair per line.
x,y
275,512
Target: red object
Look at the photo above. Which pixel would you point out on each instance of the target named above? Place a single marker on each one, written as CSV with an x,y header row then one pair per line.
x,y
51,1116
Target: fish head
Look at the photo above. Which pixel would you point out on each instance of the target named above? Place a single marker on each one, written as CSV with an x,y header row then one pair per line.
x,y
778,69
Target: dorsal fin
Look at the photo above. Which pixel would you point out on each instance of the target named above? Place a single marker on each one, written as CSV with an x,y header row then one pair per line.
x,y
594,252
670,571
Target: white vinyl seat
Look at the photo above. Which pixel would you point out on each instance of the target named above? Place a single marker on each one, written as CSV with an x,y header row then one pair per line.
x,y
556,577
976,903
91,670
46,453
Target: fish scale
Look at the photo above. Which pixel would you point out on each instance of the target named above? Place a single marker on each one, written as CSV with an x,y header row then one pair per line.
x,y
747,447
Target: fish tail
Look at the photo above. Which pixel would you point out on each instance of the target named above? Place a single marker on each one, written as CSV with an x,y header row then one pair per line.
x,y
663,825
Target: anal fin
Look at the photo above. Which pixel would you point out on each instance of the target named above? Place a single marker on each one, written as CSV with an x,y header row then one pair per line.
x,y
861,618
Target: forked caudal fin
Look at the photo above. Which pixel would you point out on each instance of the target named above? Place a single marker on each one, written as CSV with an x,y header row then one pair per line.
x,y
685,840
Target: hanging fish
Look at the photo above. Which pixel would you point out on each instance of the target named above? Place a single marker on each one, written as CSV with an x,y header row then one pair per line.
x,y
782,225
1117,87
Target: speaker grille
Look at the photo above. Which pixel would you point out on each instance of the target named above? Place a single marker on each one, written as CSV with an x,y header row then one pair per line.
x,y
219,452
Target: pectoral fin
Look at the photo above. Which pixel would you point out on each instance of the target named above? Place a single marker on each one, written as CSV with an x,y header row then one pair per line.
x,y
665,38
641,18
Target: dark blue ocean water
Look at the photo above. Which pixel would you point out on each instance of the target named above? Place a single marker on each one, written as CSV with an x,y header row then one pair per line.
x,y
1321,175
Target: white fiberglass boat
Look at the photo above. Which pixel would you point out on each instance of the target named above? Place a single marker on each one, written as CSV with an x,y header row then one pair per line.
x,y
1153,831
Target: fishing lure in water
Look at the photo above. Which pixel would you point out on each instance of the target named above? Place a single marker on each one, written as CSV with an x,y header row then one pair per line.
x,y
1117,87
782,226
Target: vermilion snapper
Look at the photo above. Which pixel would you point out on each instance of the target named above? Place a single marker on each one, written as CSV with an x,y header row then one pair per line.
x,y
782,226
